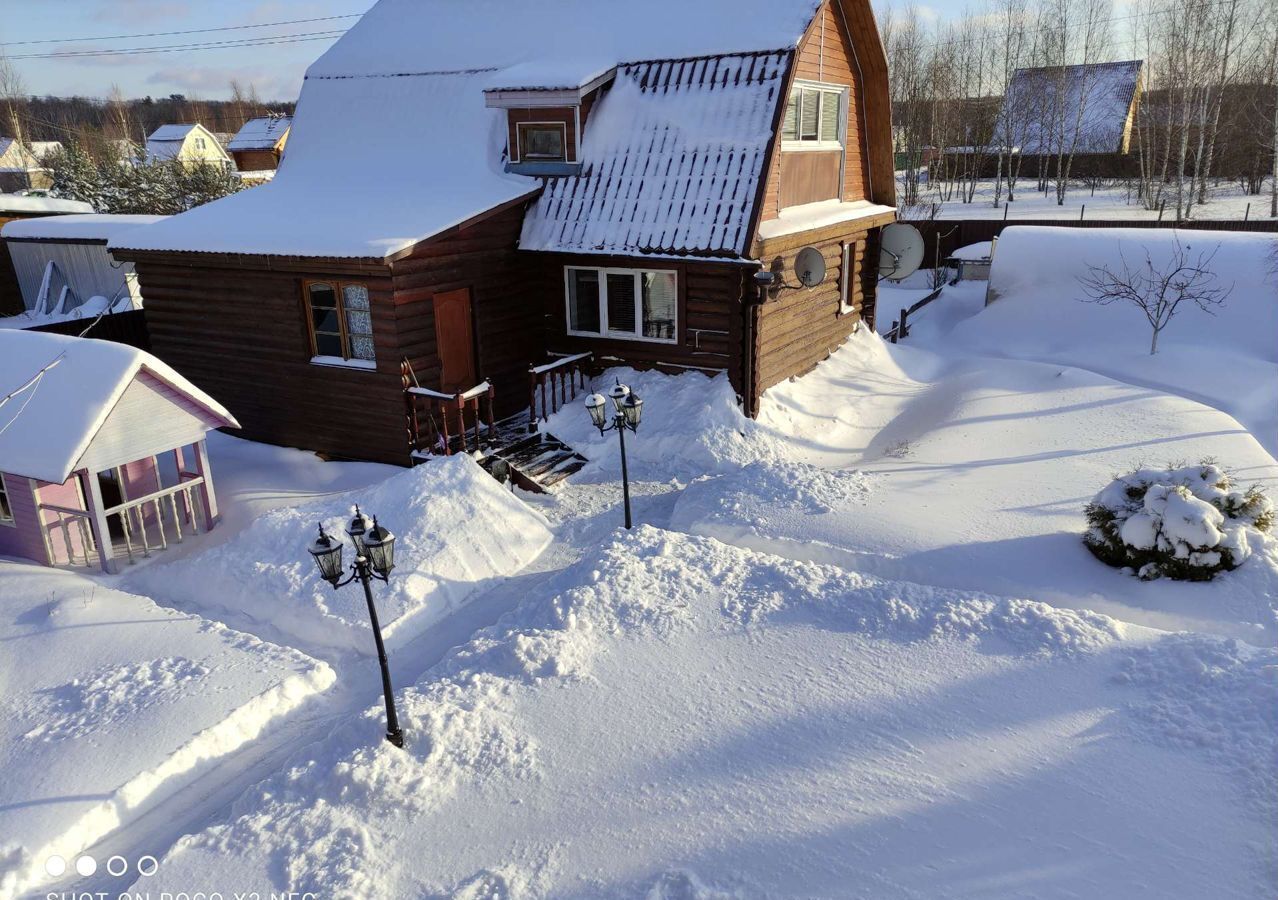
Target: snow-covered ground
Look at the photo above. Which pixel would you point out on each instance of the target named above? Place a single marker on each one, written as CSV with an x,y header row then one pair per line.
x,y
112,704
856,649
1114,201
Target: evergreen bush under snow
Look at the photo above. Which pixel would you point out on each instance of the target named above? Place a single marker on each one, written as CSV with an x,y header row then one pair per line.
x,y
1187,522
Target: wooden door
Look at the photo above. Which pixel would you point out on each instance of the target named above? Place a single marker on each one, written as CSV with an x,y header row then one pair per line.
x,y
455,341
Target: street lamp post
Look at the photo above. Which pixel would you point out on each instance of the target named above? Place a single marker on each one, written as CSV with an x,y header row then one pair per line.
x,y
374,558
627,411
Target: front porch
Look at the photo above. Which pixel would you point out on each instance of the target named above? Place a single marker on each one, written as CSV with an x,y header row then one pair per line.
x,y
127,512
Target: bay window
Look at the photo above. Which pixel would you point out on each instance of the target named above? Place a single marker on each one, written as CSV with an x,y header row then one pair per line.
x,y
341,323
627,304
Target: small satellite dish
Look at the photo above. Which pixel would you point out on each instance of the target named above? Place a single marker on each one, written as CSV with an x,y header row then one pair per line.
x,y
809,266
900,251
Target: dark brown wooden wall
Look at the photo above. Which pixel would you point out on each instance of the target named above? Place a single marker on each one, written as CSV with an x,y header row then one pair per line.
x,y
11,302
238,330
255,160
709,334
508,314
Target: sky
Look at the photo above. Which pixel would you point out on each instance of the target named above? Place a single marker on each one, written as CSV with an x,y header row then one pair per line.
x,y
276,70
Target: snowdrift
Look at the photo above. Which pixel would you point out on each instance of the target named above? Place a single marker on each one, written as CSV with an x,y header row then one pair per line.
x,y
455,527
111,703
675,717
1229,359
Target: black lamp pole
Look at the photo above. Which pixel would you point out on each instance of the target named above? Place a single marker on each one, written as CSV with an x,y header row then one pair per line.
x,y
619,423
374,558
627,411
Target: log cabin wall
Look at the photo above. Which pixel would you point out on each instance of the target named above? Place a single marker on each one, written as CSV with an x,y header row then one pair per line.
x,y
237,327
507,311
709,317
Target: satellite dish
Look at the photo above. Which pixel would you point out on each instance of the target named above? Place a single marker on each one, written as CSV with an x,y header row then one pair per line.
x,y
809,266
900,251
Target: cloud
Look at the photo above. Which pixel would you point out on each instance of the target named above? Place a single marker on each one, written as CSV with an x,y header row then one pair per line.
x,y
215,81
139,12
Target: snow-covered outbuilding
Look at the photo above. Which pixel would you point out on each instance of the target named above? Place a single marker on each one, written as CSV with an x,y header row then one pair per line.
x,y
21,168
102,451
189,144
485,193
258,146
62,263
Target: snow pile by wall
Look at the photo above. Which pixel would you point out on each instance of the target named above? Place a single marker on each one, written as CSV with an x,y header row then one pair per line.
x,y
112,703
691,425
1186,523
455,528
1227,357
671,678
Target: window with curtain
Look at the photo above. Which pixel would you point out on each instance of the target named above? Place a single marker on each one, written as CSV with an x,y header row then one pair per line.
x,y
542,141
814,117
341,321
629,304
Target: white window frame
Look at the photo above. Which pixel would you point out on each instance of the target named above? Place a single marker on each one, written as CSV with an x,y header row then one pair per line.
x,y
519,149
826,90
845,278
603,332
12,520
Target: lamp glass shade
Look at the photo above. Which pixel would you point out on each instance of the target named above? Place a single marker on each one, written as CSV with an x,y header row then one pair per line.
x,y
618,394
379,548
597,406
357,528
327,551
632,409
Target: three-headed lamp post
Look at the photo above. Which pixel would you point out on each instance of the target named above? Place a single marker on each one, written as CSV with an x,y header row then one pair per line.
x,y
374,558
627,410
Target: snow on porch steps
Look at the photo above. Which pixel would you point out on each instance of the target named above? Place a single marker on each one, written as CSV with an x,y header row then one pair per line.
x,y
110,703
673,712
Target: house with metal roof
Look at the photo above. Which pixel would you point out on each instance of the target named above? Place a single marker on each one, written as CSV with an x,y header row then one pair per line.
x,y
481,202
188,144
258,146
21,169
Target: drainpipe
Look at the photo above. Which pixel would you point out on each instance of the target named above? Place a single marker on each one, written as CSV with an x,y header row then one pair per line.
x,y
751,302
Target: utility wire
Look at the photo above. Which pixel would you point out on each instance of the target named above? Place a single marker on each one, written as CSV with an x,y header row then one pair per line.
x,y
183,48
116,37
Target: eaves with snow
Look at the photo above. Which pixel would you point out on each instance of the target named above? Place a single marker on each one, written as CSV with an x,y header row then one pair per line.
x,y
392,142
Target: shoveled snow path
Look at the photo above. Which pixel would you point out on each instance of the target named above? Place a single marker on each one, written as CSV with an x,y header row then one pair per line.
x,y
593,513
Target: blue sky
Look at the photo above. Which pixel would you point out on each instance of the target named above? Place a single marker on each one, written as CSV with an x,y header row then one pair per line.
x,y
276,70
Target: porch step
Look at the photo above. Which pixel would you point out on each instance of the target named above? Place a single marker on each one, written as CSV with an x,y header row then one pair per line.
x,y
538,462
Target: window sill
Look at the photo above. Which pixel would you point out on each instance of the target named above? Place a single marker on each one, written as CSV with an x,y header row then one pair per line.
x,y
810,146
336,362
626,338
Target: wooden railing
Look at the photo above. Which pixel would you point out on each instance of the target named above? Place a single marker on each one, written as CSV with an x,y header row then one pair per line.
x,y
69,523
133,516
901,327
554,384
438,423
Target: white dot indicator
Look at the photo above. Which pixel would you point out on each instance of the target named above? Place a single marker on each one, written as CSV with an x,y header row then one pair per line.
x,y
117,865
55,865
86,865
147,866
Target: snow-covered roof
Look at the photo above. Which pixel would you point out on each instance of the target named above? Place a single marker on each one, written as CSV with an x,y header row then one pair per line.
x,y
45,429
41,148
412,73
260,134
171,133
821,214
1040,111
21,203
672,160
167,141
74,228
14,156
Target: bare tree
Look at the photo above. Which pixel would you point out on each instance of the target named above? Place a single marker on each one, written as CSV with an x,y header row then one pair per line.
x,y
12,94
1158,289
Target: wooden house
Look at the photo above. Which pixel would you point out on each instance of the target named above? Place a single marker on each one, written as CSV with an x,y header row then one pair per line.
x,y
102,452
258,146
188,144
21,169
14,207
484,199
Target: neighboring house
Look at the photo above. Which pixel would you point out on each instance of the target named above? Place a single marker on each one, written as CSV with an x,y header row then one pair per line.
x,y
258,146
189,144
597,181
102,454
62,262
1087,111
21,169
13,207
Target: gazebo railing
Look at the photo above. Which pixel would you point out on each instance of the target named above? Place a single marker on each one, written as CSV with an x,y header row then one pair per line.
x,y
67,524
182,502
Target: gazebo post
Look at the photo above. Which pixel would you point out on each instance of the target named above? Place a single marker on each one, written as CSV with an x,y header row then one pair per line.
x,y
207,494
98,522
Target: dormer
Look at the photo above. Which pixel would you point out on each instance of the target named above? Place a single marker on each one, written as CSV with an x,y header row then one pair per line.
x,y
544,122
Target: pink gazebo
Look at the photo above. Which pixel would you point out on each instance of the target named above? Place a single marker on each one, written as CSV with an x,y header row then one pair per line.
x,y
102,452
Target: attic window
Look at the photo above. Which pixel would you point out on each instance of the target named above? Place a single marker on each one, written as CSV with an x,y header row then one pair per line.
x,y
814,117
542,141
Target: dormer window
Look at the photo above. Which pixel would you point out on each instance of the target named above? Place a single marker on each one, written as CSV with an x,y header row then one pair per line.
x,y
542,141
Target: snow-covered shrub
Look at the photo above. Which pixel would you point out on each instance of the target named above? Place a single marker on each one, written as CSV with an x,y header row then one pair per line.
x,y
1186,523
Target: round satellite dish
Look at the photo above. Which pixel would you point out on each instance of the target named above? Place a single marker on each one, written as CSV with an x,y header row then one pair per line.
x,y
900,251
809,266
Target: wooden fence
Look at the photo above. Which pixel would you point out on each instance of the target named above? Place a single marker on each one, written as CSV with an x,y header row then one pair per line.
x,y
948,235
